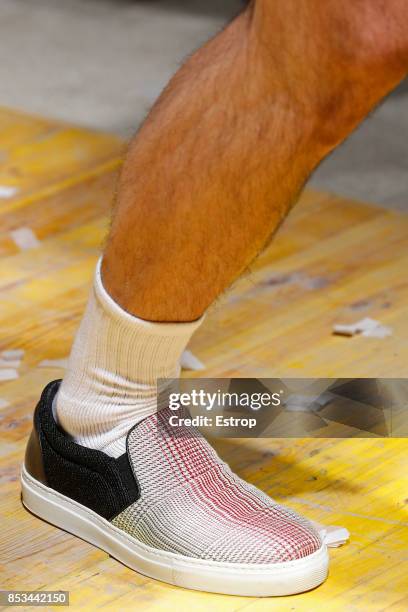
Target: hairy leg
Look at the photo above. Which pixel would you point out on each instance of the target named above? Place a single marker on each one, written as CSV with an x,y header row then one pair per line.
x,y
228,146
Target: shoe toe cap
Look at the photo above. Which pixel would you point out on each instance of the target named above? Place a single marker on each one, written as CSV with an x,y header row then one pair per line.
x,y
267,540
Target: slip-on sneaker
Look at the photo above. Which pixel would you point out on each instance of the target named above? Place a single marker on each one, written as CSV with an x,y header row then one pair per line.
x,y
170,509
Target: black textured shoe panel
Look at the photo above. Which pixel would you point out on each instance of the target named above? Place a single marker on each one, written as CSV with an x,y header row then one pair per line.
x,y
92,478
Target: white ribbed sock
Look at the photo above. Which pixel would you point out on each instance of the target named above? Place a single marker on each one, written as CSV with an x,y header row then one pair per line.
x,y
116,359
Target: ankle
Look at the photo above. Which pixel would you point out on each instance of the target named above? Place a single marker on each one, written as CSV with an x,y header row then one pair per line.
x,y
113,369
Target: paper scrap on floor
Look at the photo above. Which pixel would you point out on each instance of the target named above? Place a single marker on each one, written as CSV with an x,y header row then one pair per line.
x,y
189,361
370,328
25,238
332,535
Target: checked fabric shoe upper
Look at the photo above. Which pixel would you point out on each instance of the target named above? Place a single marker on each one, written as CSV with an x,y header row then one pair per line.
x,y
191,503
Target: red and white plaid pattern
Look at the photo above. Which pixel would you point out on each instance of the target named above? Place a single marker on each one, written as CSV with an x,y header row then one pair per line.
x,y
193,504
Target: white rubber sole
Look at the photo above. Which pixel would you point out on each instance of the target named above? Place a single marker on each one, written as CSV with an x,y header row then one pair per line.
x,y
258,580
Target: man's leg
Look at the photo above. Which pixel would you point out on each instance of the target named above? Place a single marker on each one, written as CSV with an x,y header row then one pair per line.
x,y
231,141
214,169
212,172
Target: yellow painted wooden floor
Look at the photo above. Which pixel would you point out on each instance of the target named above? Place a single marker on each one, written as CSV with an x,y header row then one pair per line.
x,y
335,260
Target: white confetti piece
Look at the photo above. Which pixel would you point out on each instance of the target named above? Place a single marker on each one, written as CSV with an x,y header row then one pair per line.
x,y
381,331
10,374
336,536
53,363
25,238
367,324
189,361
12,354
344,330
9,363
370,328
332,535
7,191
